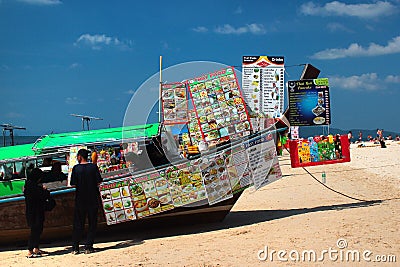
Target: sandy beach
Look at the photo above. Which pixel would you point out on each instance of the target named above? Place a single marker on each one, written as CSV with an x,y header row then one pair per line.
x,y
293,214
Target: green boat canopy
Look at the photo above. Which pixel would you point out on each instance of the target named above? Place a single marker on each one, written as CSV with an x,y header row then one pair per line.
x,y
15,152
62,140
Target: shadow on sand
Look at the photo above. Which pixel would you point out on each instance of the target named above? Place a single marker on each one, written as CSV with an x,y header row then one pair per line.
x,y
132,237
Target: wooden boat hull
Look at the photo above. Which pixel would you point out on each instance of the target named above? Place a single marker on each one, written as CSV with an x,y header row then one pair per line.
x,y
58,222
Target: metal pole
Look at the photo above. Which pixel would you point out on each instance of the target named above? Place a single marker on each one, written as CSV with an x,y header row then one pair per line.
x,y
83,124
87,122
4,137
12,136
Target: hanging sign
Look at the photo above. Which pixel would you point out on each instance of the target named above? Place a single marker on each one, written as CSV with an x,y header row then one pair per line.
x,y
309,102
263,160
219,106
174,103
263,85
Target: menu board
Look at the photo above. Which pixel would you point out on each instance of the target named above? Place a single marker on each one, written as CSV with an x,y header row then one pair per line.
x,y
309,102
174,103
150,194
117,201
238,168
219,105
263,85
194,128
216,179
185,183
263,160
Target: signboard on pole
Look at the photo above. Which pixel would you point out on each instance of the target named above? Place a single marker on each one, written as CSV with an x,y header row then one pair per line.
x,y
309,102
263,85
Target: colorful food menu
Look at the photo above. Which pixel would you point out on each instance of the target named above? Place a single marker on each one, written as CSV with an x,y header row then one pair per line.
x,y
263,160
219,105
309,102
117,201
319,150
185,183
238,168
194,128
216,179
150,194
174,103
263,85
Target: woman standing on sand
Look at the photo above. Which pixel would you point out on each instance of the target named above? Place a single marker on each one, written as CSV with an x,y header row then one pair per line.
x,y
35,198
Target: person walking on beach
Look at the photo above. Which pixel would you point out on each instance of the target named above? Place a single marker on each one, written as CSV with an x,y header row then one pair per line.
x,y
86,178
360,136
35,198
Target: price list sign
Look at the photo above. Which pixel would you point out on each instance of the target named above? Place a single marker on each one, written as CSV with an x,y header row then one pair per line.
x,y
219,106
263,161
263,85
309,102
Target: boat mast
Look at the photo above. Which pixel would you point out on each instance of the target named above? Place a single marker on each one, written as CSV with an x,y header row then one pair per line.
x,y
159,97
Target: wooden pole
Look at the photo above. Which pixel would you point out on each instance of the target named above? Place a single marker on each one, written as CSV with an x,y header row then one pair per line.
x,y
159,97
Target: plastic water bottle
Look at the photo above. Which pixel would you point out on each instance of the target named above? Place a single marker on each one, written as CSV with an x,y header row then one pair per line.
x,y
323,177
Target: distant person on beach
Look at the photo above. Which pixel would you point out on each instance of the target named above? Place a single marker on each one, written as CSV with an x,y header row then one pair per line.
x,y
397,138
86,178
359,136
350,136
35,198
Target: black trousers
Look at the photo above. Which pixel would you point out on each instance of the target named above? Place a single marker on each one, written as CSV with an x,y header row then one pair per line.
x,y
80,215
36,230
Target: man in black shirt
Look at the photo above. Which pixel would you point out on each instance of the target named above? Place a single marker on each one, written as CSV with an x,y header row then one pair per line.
x,y
86,178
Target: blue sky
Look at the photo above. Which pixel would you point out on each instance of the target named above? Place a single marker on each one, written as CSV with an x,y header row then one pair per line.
x,y
60,57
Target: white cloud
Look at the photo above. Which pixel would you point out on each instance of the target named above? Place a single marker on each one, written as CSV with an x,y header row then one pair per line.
x,y
363,82
356,50
98,41
392,79
73,101
253,28
336,8
42,2
13,115
238,10
130,92
337,27
200,29
368,81
74,65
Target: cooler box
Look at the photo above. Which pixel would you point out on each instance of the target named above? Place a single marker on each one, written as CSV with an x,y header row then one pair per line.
x,y
300,152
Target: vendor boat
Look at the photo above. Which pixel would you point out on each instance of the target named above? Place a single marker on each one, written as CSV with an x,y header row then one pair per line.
x,y
145,181
58,222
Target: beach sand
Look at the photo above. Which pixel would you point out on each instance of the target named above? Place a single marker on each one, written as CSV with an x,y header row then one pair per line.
x,y
295,213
